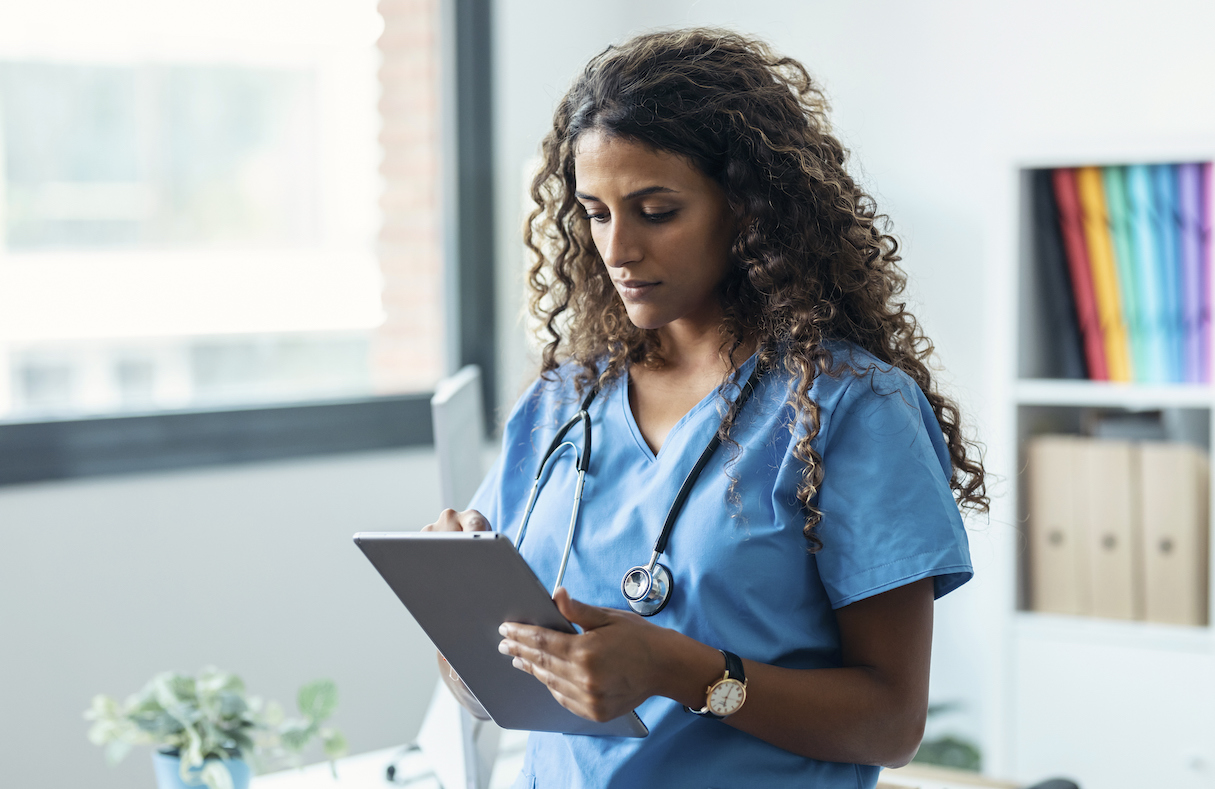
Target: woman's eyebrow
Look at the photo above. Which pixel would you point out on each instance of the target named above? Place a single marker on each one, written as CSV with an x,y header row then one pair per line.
x,y
649,190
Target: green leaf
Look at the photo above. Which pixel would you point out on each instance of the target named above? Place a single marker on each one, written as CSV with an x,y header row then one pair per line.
x,y
216,775
192,754
949,751
244,744
212,681
103,708
335,743
943,707
296,733
317,700
116,751
272,714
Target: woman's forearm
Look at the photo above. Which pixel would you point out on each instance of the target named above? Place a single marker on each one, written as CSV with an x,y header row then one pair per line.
x,y
836,714
860,713
871,710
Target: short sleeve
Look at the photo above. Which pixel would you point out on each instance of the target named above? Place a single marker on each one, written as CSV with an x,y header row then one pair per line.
x,y
499,495
487,499
889,516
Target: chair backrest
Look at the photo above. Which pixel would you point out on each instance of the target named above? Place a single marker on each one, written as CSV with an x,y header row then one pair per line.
x,y
459,431
460,749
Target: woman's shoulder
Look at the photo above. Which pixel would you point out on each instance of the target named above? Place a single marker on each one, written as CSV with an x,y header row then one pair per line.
x,y
551,394
856,365
855,381
852,373
878,399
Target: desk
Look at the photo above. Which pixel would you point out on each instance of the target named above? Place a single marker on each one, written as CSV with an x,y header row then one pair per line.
x,y
369,770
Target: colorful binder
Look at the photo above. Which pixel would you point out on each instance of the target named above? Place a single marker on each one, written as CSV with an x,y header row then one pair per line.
x,y
1118,210
1137,244
1204,315
1063,355
1189,207
1167,234
1071,226
1105,273
1152,304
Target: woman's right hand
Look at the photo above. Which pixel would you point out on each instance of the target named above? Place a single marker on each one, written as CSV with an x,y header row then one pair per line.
x,y
450,520
468,520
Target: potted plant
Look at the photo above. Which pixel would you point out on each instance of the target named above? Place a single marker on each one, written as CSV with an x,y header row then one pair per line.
x,y
207,732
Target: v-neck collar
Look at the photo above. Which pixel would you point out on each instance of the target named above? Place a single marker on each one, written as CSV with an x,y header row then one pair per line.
x,y
744,371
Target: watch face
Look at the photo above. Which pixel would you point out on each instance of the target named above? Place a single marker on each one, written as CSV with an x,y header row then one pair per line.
x,y
726,697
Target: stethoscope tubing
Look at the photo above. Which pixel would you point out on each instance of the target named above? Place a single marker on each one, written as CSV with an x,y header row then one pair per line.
x,y
639,603
582,463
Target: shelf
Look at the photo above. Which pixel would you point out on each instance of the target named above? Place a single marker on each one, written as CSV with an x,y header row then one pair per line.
x,y
1113,632
1103,394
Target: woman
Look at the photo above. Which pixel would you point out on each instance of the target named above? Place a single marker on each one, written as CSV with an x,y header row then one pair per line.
x,y
698,243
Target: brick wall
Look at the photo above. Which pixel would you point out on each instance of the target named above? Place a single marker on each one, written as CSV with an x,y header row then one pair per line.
x,y
407,352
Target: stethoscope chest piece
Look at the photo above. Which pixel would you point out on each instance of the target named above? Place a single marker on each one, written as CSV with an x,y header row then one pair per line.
x,y
647,588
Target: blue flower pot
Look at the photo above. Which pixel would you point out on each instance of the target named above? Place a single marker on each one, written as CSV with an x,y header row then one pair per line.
x,y
168,772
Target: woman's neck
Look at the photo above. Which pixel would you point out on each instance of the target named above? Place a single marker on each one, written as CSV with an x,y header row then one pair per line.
x,y
699,348
692,351
695,362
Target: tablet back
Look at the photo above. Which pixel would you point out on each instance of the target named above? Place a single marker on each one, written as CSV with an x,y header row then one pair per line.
x,y
460,586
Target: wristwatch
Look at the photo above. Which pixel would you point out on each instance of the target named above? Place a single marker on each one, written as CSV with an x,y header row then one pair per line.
x,y
726,695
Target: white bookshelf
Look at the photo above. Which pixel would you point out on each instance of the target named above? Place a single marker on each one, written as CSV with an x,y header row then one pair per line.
x,y
1101,394
1144,692
1091,631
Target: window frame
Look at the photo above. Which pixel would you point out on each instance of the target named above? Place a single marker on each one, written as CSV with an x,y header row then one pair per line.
x,y
75,448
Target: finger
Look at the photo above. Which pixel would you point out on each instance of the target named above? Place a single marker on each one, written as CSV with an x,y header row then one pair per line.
x,y
555,680
588,617
448,521
471,520
578,694
572,692
536,657
562,691
541,639
566,669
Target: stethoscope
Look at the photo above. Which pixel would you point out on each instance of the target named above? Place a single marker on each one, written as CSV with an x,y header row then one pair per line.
x,y
647,588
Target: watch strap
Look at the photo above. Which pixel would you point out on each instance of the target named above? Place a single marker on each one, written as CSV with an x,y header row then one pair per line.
x,y
734,670
734,666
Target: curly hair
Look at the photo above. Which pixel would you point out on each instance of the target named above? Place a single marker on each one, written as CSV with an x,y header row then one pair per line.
x,y
813,263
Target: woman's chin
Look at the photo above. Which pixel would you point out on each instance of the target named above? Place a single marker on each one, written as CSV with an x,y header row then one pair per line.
x,y
647,322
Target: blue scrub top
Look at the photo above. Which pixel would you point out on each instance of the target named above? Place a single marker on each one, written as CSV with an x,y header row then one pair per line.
x,y
743,579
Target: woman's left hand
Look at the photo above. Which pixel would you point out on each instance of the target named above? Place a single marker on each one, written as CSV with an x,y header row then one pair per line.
x,y
600,674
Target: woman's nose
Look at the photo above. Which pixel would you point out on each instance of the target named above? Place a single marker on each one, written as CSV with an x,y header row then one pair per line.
x,y
619,245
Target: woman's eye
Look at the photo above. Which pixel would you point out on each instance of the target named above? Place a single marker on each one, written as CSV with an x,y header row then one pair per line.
x,y
601,218
658,217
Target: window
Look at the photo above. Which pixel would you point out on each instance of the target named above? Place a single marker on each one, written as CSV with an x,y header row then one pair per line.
x,y
190,206
227,267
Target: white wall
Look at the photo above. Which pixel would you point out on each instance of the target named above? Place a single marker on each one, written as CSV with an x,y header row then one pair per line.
x,y
539,46
939,101
251,568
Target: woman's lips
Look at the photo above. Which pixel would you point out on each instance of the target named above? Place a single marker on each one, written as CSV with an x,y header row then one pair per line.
x,y
634,289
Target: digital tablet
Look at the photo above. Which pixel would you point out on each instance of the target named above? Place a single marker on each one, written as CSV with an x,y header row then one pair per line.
x,y
460,586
